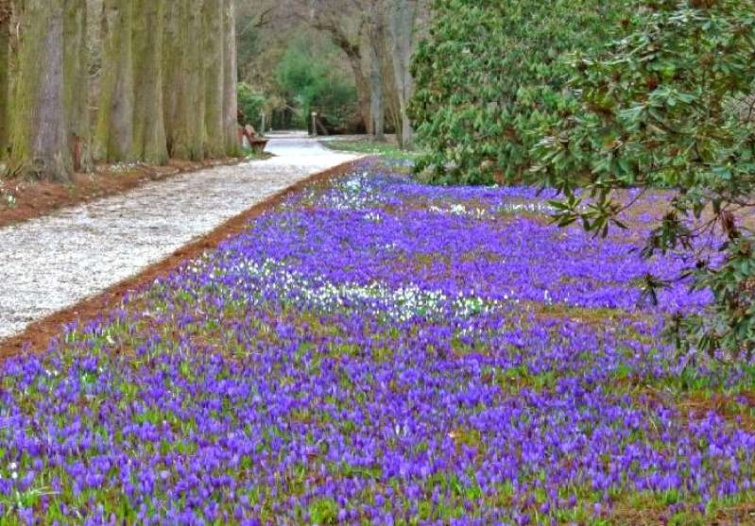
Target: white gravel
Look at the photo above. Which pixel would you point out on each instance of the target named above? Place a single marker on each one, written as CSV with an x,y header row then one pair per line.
x,y
53,262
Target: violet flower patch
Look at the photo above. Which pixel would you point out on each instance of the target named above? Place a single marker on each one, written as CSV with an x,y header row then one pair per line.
x,y
379,351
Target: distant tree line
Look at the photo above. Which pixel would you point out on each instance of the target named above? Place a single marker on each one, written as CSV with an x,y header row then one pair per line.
x,y
85,81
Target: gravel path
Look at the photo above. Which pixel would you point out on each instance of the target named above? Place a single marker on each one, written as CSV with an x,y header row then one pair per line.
x,y
53,262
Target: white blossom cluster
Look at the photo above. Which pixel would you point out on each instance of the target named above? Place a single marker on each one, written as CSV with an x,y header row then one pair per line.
x,y
354,193
539,207
400,304
460,210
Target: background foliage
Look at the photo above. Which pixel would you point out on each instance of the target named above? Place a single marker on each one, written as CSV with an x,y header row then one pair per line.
x,y
310,80
252,104
667,106
491,74
665,102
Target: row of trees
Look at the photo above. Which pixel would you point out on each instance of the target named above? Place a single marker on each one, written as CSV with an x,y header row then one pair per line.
x,y
115,81
604,95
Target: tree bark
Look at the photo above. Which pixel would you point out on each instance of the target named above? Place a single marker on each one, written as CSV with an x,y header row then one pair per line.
x,y
402,19
76,85
213,15
183,91
115,127
377,96
363,89
39,145
230,80
149,143
173,57
5,15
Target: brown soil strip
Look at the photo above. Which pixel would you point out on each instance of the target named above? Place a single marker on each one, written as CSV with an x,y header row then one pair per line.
x,y
36,337
34,199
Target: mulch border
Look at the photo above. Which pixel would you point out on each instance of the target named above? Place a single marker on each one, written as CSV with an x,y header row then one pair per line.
x,y
36,338
140,175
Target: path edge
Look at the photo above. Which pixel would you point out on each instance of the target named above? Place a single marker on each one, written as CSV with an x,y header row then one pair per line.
x,y
37,336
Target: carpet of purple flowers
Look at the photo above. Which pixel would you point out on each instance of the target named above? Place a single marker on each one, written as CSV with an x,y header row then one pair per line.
x,y
378,351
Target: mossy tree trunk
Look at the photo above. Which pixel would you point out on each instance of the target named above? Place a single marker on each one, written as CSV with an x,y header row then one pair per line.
x,y
376,37
149,142
76,84
38,131
213,15
402,18
115,123
5,15
184,86
172,60
230,80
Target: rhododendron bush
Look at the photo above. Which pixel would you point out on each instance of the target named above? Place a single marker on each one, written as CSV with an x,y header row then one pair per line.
x,y
603,95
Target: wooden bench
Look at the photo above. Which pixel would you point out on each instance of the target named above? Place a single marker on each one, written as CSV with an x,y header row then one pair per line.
x,y
258,144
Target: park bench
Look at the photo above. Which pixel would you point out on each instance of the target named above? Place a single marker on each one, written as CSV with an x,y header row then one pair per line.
x,y
258,144
248,136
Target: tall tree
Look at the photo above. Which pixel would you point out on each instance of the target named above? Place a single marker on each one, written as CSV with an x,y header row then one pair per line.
x,y
149,143
230,77
377,46
213,19
115,127
38,130
76,84
5,16
402,20
352,46
378,39
183,87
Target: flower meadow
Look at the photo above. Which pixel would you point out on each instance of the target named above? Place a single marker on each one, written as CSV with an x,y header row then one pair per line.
x,y
378,351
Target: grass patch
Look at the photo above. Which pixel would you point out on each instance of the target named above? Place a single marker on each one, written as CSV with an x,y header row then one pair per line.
x,y
383,149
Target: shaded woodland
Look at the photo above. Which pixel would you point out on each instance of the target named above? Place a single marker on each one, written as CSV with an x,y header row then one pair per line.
x,y
361,49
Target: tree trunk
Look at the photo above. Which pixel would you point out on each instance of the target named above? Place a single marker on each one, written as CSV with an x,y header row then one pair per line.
x,y
149,143
183,93
115,127
402,18
391,98
38,133
353,54
363,90
5,15
230,80
194,78
173,57
377,95
213,15
76,85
